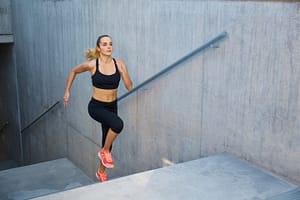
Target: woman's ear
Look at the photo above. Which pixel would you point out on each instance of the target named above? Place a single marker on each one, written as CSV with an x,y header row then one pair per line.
x,y
98,49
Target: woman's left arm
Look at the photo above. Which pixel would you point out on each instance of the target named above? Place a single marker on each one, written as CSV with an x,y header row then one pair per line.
x,y
124,74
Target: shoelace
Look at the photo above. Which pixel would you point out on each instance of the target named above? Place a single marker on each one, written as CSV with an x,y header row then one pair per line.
x,y
108,157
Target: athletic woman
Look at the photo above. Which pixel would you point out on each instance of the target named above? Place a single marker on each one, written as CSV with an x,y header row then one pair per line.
x,y
106,73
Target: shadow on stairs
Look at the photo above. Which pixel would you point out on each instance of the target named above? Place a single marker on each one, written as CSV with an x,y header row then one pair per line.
x,y
40,179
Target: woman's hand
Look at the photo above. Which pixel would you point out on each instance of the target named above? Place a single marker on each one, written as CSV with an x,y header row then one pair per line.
x,y
66,98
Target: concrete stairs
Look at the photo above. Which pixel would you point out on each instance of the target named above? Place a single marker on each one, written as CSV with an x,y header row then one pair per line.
x,y
219,177
40,179
289,195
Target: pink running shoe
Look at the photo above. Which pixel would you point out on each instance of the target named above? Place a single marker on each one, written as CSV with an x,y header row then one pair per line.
x,y
102,177
106,159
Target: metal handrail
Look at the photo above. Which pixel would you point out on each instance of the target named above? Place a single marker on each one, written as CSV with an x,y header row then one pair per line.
x,y
210,44
40,116
29,125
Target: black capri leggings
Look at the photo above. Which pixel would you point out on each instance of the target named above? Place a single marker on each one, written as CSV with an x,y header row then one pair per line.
x,y
107,114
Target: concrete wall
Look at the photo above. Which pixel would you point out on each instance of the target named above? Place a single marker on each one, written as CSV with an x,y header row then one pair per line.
x,y
6,35
5,17
242,97
9,110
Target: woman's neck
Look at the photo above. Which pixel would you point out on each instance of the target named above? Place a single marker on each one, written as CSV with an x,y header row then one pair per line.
x,y
105,59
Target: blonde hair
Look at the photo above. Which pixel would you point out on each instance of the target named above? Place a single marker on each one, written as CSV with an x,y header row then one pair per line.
x,y
91,54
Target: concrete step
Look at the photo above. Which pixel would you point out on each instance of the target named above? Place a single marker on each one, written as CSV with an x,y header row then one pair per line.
x,y
219,177
40,179
289,195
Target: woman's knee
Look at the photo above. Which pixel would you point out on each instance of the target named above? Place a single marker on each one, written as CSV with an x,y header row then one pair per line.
x,y
118,125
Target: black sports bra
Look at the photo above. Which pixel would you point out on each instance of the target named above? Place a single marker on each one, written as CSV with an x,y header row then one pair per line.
x,y
103,81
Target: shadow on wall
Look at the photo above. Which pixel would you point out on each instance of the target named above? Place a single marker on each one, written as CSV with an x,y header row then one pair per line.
x,y
2,152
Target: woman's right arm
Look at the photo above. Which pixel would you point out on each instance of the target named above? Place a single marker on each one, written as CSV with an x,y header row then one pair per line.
x,y
78,69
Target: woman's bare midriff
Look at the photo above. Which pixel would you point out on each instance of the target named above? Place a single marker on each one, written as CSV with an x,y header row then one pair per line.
x,y
105,95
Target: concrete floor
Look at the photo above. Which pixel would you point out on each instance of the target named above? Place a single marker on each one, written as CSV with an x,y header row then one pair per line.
x,y
220,177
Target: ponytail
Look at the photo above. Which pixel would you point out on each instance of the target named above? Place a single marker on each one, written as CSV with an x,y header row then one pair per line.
x,y
91,54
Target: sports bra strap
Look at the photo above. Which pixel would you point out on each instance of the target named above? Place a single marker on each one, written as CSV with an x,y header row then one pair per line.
x,y
115,62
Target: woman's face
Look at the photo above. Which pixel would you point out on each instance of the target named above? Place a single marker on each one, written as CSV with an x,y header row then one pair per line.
x,y
105,46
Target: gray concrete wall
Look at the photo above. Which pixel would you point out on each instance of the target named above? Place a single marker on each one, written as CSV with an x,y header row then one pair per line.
x,y
6,33
242,97
9,110
9,117
5,17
